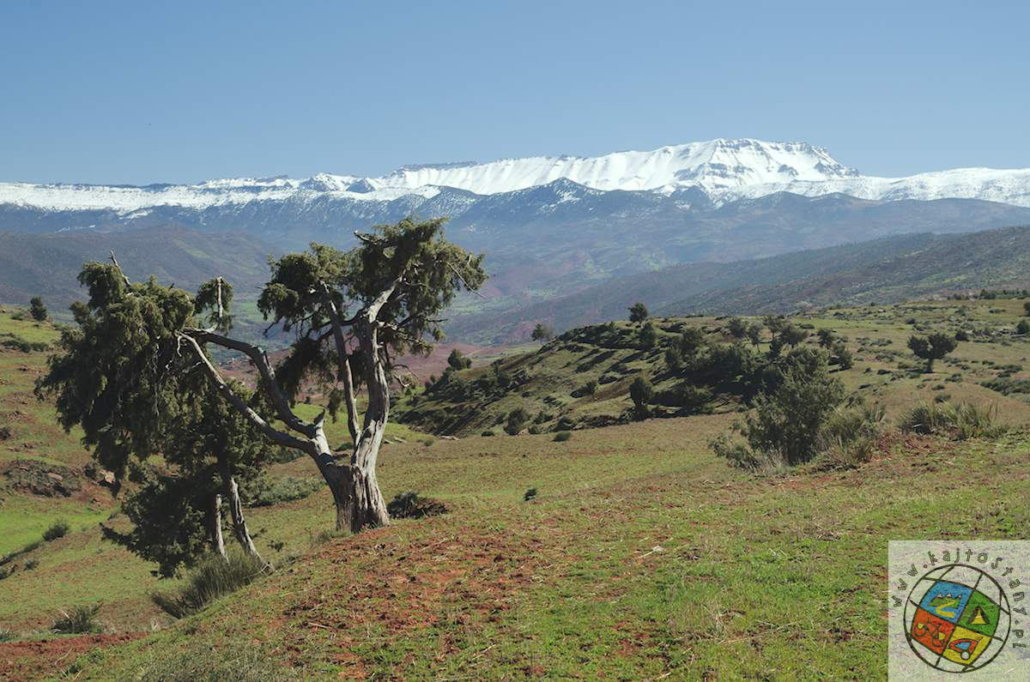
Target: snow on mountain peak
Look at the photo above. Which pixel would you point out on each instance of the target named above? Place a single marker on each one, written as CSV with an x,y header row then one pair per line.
x,y
722,169
715,165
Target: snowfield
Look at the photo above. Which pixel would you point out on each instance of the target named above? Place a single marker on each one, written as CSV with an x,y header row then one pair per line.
x,y
726,170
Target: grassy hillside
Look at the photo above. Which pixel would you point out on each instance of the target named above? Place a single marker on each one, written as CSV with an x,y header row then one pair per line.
x,y
549,384
884,270
45,478
641,555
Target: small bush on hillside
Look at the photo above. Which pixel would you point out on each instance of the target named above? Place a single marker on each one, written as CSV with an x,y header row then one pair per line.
x,y
1023,327
30,564
410,505
529,495
80,620
213,577
786,425
265,491
958,421
488,433
57,530
7,635
562,436
517,420
848,438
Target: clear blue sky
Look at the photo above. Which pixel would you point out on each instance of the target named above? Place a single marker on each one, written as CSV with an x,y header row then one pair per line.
x,y
139,92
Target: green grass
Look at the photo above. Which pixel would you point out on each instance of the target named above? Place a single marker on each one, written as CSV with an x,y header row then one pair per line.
x,y
642,554
674,565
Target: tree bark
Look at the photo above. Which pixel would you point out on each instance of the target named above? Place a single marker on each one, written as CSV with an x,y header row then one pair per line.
x,y
215,525
239,522
354,486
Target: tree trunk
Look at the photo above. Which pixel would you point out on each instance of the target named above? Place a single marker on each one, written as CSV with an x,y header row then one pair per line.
x,y
359,503
239,522
215,525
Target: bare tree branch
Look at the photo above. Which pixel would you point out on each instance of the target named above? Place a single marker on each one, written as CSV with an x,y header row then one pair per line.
x,y
260,359
240,405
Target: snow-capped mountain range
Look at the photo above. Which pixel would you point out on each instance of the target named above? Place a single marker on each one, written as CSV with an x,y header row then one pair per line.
x,y
724,170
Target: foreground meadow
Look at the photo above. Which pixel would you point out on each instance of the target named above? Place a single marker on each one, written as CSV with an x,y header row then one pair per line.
x,y
640,555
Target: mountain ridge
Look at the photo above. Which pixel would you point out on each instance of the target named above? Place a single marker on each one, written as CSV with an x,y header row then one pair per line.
x,y
724,169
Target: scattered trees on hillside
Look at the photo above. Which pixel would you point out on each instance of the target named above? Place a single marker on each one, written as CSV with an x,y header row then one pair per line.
x,y
145,340
932,347
638,312
38,310
542,332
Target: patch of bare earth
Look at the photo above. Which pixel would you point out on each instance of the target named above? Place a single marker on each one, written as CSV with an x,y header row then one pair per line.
x,y
37,659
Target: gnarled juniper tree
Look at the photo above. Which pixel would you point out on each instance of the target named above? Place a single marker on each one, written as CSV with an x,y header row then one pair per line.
x,y
122,376
351,312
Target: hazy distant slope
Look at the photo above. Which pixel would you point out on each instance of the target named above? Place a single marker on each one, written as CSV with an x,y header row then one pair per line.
x,y
48,264
888,269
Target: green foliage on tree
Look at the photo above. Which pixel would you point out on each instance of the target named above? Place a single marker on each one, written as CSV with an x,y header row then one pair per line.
x,y
638,312
691,342
648,336
737,327
542,332
932,347
641,392
457,360
37,310
786,423
137,360
791,334
517,420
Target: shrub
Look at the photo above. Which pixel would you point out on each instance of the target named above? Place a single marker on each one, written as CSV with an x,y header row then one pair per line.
x,y
38,310
958,421
80,620
517,419
30,564
848,438
562,436
6,635
786,425
213,577
409,505
638,312
529,495
1023,327
488,433
57,530
265,491
932,347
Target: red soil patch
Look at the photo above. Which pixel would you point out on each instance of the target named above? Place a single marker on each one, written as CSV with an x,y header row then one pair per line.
x,y
42,658
453,578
